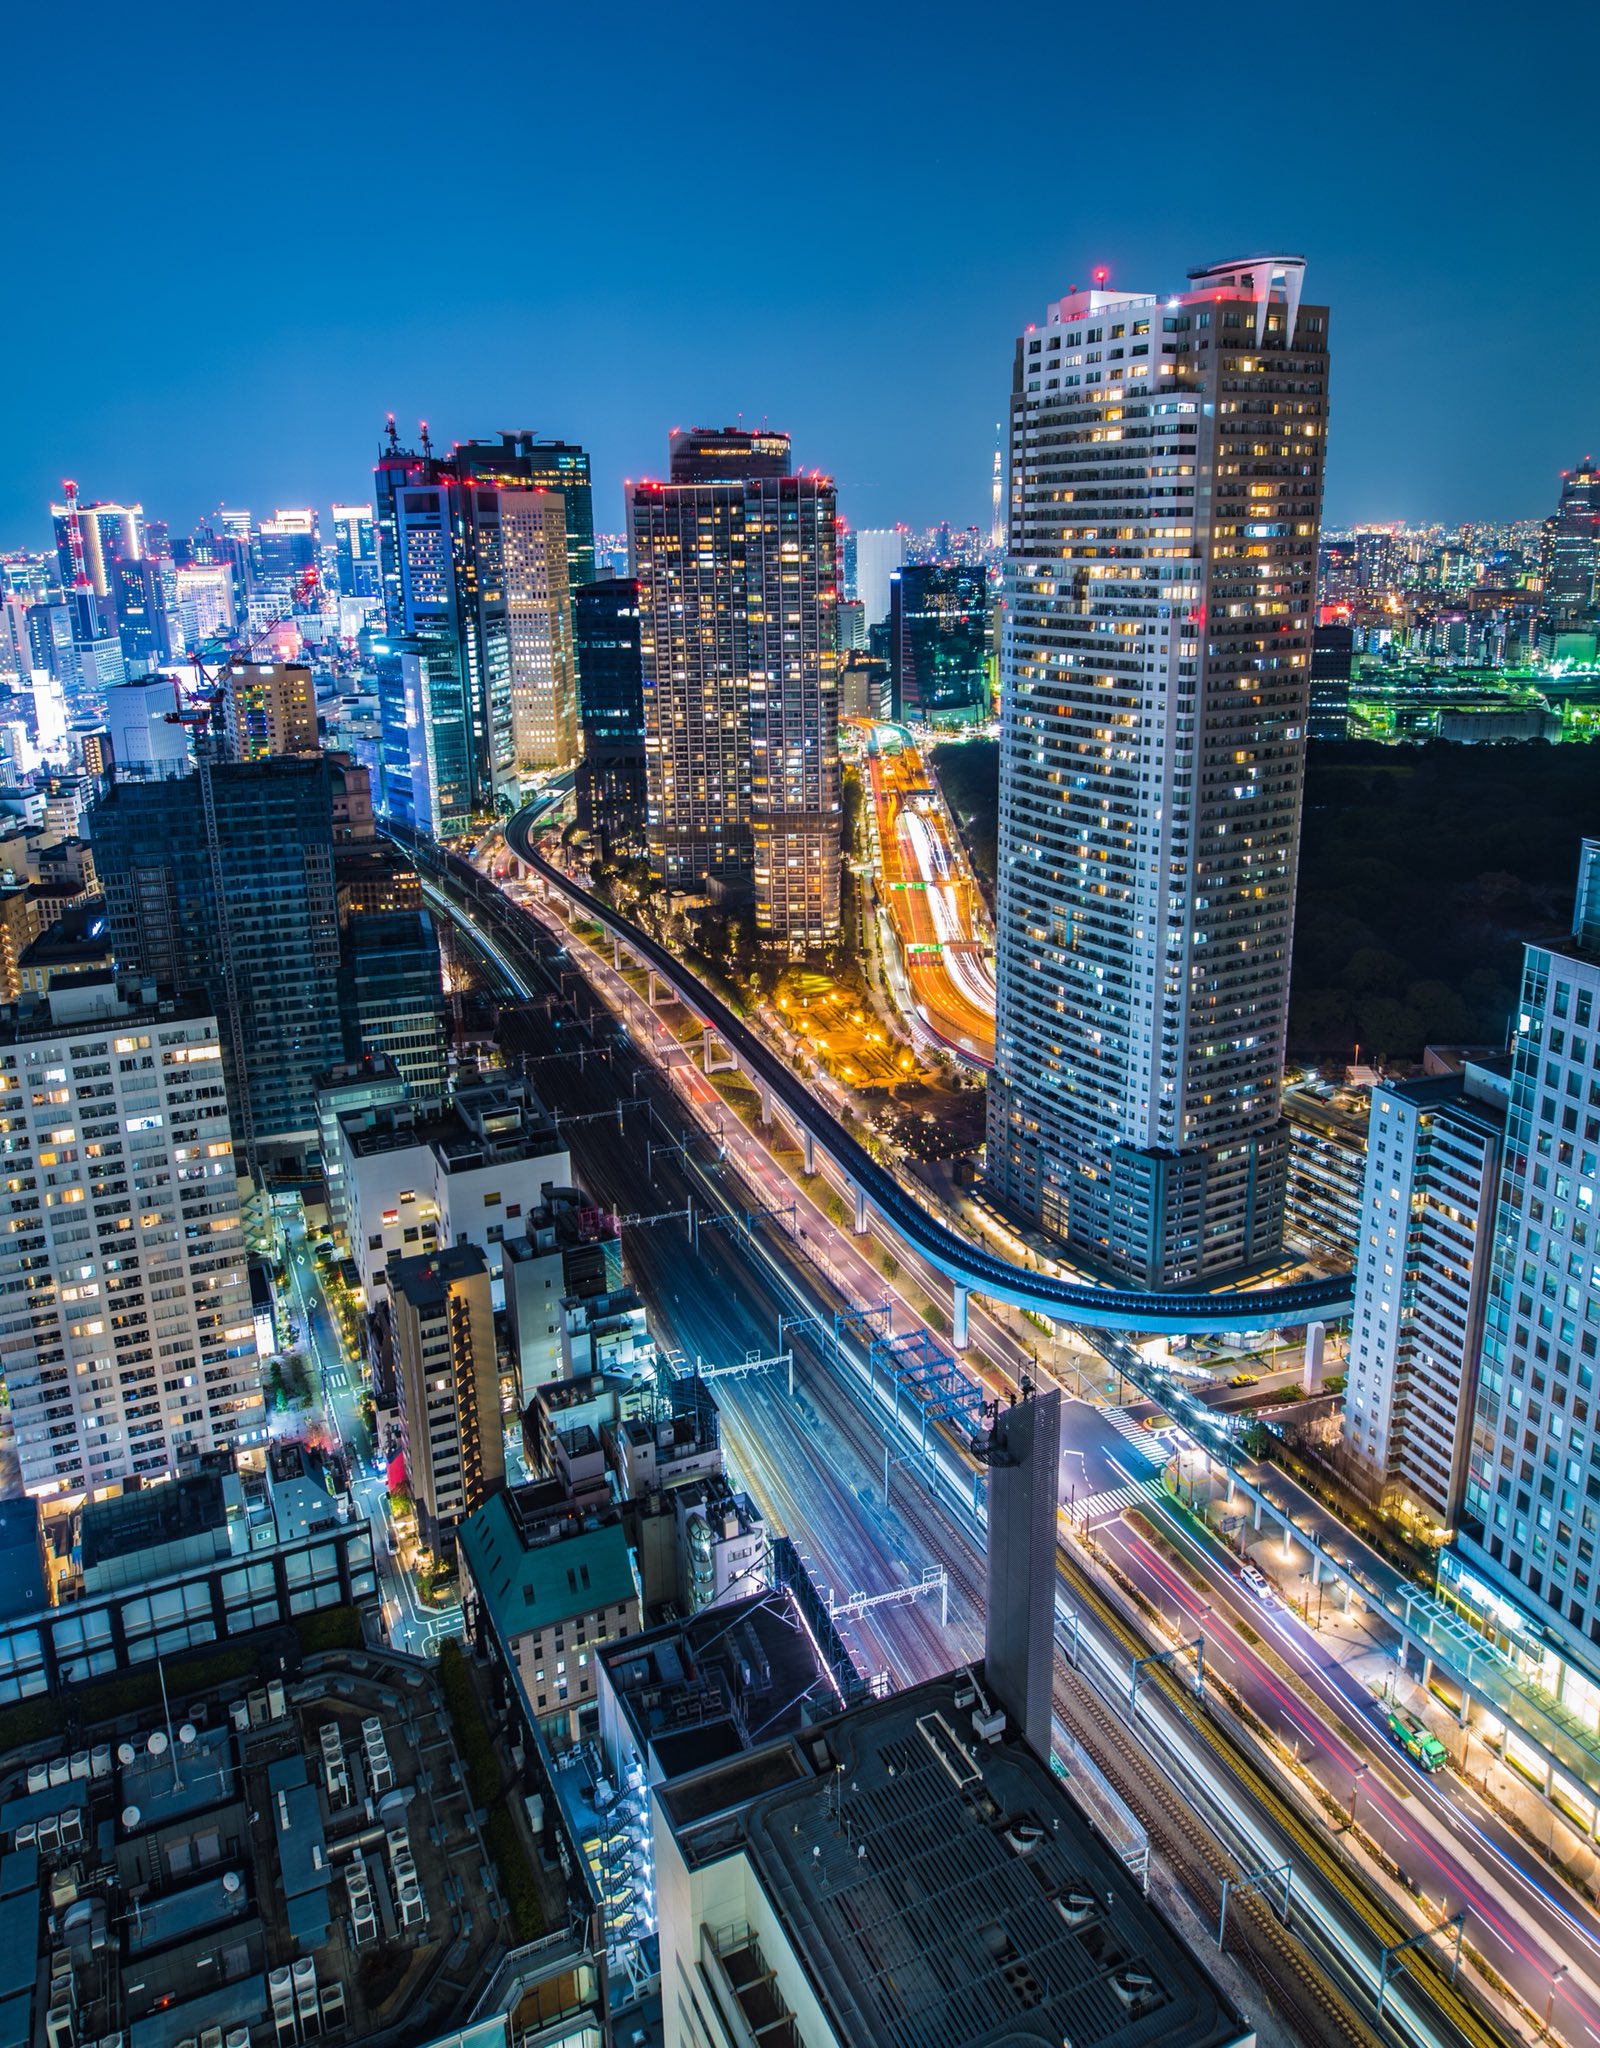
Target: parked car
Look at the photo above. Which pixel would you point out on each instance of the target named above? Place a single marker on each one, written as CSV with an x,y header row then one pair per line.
x,y
1256,1583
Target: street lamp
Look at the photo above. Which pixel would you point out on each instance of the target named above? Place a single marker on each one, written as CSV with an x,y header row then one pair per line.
x,y
1355,1789
1556,1976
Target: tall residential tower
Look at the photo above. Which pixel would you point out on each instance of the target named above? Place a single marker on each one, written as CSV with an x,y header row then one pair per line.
x,y
737,565
1166,469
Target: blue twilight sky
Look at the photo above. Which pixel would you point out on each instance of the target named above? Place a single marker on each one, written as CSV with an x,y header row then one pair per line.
x,y
239,234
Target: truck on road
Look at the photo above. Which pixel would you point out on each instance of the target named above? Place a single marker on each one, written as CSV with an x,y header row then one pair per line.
x,y
1415,1740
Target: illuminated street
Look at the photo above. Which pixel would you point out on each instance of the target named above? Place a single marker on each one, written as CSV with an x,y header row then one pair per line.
x,y
926,891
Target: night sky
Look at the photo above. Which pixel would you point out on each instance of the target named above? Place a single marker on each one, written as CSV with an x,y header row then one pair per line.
x,y
238,235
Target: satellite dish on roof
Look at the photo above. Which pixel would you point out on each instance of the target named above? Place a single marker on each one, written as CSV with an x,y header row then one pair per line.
x,y
130,1818
157,1742
232,1883
125,1752
186,1733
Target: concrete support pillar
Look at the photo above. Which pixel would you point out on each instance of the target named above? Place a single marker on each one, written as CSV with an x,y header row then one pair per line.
x,y
1258,1514
1427,1672
1464,1711
1316,1567
1549,1780
810,1147
860,1224
958,1318
651,988
766,1105
616,952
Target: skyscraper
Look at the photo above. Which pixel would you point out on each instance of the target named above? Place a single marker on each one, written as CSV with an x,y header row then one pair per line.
x,y
1530,1523
1434,1149
90,538
611,775
738,585
222,881
880,551
1332,652
355,548
1165,492
939,641
474,563
1571,552
128,1336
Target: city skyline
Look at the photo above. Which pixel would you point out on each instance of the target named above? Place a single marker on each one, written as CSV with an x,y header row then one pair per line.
x,y
136,386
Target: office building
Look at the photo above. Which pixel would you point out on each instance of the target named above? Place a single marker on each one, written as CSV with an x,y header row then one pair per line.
x,y
562,467
880,550
611,799
128,1339
541,685
269,707
427,773
939,636
355,546
1154,701
133,609
1332,654
475,555
788,1872
91,538
391,998
1570,556
205,598
1529,1523
449,1380
737,587
286,559
148,740
97,663
1434,1153
864,687
222,881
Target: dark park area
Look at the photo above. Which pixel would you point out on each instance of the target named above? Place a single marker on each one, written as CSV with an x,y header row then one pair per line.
x,y
1422,872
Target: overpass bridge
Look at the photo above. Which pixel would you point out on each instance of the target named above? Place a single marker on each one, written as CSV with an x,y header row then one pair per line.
x,y
969,1268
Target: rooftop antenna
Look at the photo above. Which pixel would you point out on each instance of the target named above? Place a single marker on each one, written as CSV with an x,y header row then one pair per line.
x,y
393,434
427,442
80,573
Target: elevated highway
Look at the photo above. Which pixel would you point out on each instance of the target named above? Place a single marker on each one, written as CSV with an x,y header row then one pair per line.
x,y
968,1267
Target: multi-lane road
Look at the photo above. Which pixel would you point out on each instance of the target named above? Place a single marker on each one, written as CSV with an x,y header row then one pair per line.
x,y
929,898
1453,1848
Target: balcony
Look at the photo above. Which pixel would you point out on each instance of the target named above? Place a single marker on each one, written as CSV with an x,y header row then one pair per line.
x,y
746,1991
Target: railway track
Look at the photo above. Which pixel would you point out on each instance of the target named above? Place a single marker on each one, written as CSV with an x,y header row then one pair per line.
x,y
1290,1983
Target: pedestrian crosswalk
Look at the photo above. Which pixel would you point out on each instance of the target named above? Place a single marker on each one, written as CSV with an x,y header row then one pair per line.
x,y
1145,1442
1109,1504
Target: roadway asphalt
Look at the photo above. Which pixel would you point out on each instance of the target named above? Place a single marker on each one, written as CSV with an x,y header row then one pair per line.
x,y
1434,1827
411,1625
715,1303
1446,1839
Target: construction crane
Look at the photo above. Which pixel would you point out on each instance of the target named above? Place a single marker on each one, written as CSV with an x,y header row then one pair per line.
x,y
208,699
